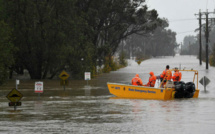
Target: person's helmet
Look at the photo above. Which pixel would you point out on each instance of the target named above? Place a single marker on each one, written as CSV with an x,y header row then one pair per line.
x,y
167,66
151,73
175,69
137,75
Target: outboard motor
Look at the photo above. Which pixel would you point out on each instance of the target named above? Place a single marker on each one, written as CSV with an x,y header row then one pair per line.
x,y
179,89
189,90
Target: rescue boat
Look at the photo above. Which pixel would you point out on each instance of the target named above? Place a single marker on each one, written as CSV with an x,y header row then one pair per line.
x,y
170,91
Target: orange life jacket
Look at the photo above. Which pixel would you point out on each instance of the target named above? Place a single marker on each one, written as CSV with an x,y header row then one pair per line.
x,y
136,81
177,76
152,81
166,75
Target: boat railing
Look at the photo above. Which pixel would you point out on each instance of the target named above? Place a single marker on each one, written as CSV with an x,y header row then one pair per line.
x,y
195,77
170,84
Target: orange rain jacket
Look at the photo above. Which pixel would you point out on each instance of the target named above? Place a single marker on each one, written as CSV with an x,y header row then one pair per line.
x,y
177,76
166,75
152,80
136,80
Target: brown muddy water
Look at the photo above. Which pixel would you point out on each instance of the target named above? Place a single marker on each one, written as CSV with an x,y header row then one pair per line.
x,y
82,109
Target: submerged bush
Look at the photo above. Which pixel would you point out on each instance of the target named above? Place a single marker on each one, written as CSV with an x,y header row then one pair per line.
x,y
212,57
212,60
112,64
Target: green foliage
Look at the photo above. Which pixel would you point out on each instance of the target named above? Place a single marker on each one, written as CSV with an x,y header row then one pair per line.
x,y
110,65
49,35
6,50
113,21
161,42
212,57
54,35
122,60
212,60
190,46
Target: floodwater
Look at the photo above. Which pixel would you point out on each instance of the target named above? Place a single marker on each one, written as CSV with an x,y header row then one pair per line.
x,y
82,109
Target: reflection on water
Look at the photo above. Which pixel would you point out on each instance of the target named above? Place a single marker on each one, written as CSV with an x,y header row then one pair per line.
x,y
83,108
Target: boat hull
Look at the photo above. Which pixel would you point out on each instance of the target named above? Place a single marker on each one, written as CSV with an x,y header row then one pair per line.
x,y
143,92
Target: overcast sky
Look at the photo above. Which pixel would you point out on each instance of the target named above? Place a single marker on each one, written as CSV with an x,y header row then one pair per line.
x,y
180,14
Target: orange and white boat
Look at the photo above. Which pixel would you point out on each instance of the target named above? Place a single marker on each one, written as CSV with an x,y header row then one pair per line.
x,y
168,92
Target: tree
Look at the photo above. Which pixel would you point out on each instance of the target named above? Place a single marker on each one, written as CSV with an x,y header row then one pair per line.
x,y
54,35
6,50
48,35
159,42
112,21
190,46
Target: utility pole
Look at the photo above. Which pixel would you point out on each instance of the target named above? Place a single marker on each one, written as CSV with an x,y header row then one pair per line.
x,y
206,36
200,37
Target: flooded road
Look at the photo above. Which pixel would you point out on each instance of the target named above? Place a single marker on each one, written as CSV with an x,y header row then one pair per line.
x,y
91,109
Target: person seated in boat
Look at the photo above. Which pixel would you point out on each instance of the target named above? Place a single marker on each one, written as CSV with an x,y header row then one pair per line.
x,y
177,75
136,81
166,75
152,80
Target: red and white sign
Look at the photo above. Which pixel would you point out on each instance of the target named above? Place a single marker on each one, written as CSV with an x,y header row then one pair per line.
x,y
87,76
38,87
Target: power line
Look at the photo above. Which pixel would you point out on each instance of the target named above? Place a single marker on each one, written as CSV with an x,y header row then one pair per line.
x,y
185,32
183,20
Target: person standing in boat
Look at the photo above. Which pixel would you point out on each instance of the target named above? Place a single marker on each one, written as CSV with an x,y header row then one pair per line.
x,y
152,80
177,75
136,81
166,75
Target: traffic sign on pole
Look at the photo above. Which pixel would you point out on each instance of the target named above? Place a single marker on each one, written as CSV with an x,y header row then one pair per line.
x,y
64,75
14,95
38,87
204,81
87,76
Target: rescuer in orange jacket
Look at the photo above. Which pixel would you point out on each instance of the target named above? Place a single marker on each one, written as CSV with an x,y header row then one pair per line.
x,y
166,75
136,80
177,75
152,80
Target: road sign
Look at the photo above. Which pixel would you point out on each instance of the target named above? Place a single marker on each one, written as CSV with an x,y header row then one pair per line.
x,y
64,75
38,87
14,95
87,76
204,81
17,82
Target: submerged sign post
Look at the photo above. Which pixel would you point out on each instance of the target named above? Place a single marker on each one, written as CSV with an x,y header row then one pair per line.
x,y
87,76
204,81
64,76
38,88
